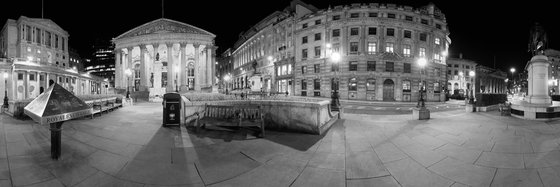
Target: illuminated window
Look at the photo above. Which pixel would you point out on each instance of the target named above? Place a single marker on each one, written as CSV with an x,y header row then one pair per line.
x,y
406,86
353,47
372,48
352,84
406,50
422,52
389,47
437,41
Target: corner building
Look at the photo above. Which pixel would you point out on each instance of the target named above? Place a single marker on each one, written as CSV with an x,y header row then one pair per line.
x,y
379,45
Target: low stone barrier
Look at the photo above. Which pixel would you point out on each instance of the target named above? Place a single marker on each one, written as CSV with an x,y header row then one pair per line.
x,y
309,117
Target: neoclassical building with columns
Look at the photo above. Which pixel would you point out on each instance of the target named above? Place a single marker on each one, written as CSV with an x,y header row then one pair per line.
x,y
165,56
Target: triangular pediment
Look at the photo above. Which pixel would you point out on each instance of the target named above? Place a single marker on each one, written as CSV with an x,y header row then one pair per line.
x,y
164,25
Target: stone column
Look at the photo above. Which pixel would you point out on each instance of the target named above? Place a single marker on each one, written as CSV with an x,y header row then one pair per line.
x,y
209,65
537,69
25,84
197,65
118,70
170,68
183,66
128,79
143,79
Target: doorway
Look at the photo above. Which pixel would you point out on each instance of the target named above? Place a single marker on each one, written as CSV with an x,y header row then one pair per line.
x,y
388,90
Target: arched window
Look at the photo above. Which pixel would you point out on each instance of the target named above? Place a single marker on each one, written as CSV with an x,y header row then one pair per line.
x,y
190,70
352,84
370,85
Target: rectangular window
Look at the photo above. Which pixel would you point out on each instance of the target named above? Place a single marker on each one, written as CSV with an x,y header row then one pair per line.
x,y
303,93
422,52
456,65
48,39
29,31
303,54
436,41
336,17
304,40
389,66
354,32
468,67
317,36
20,76
317,68
317,22
423,37
335,32
353,47
317,51
406,86
390,32
38,35
389,47
370,65
456,72
62,43
370,85
436,57
408,18
406,68
334,67
32,77
336,47
391,15
317,84
424,21
372,48
354,15
449,72
406,50
353,66
436,87
407,34
352,84
303,69
438,26
372,14
372,31
67,80
304,26
303,84
56,41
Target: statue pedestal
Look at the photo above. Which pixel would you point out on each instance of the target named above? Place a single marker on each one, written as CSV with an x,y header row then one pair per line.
x,y
537,69
421,113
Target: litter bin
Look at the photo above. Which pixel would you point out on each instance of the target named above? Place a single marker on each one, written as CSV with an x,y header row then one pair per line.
x,y
171,109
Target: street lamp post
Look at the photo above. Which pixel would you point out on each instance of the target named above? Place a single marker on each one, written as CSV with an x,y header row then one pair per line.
x,y
128,73
471,100
421,62
335,102
461,80
6,90
512,70
176,77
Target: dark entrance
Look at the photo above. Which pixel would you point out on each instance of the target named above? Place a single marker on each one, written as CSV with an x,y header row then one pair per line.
x,y
388,90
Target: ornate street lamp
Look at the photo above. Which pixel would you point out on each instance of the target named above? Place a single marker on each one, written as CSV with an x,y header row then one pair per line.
x,y
128,73
6,90
512,70
335,102
421,62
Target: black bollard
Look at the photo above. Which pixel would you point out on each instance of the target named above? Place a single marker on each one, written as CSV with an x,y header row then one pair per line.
x,y
55,140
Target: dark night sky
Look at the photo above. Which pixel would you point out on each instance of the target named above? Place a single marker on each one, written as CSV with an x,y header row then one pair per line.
x,y
479,30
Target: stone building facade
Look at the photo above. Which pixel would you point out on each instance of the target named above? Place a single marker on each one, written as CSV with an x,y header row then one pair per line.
x,y
459,80
165,56
553,71
34,53
490,80
379,46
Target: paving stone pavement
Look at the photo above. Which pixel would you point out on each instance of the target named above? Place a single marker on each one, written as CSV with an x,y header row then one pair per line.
x,y
128,147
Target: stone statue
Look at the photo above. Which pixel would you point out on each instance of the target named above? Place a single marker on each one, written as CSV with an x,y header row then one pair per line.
x,y
537,40
254,65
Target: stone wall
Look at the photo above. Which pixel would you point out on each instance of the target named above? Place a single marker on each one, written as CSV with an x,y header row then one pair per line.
x,y
308,117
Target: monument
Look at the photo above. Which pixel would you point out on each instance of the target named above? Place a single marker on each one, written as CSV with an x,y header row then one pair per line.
x,y
537,104
53,107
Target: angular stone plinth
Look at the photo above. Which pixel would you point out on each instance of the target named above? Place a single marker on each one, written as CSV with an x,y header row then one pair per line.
x,y
421,113
537,70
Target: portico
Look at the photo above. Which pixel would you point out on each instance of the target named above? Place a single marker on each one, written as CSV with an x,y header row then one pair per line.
x,y
164,56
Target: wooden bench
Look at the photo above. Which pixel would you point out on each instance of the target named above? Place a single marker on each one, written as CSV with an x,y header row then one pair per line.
x,y
505,109
241,116
104,106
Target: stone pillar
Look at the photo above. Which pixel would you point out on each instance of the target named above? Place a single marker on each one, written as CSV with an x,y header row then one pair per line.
x,y
25,84
537,69
209,65
118,70
143,79
197,65
129,79
183,66
170,68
